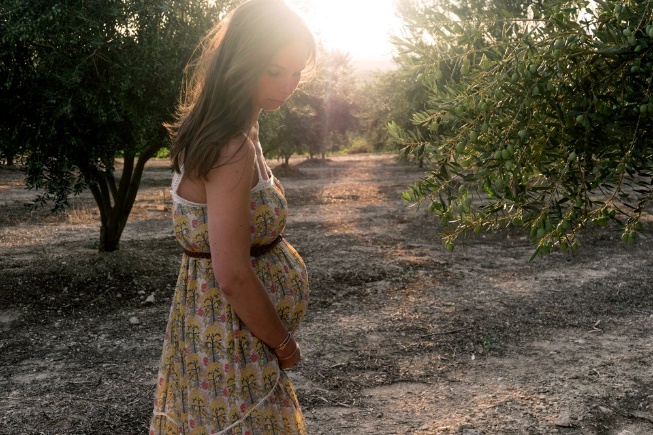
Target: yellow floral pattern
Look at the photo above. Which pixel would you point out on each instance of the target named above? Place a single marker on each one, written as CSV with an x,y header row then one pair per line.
x,y
215,377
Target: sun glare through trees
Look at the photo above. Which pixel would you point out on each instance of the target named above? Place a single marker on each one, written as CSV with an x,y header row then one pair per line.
x,y
360,27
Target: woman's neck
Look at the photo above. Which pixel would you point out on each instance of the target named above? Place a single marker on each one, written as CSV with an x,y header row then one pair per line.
x,y
253,131
257,113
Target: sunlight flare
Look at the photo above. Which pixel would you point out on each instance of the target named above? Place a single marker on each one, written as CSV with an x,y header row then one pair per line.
x,y
360,27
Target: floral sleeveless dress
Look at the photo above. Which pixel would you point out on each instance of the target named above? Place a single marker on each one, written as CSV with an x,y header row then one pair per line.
x,y
215,377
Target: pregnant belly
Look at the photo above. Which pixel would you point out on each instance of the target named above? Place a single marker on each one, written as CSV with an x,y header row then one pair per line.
x,y
283,273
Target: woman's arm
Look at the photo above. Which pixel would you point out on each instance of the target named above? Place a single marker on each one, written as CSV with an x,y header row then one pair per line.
x,y
228,195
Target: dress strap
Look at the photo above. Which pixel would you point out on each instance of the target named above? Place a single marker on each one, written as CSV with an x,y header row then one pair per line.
x,y
176,179
261,165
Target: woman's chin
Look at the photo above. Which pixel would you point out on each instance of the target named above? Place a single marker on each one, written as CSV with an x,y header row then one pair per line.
x,y
273,107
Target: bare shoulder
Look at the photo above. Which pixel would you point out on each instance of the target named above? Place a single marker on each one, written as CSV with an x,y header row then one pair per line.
x,y
238,149
236,164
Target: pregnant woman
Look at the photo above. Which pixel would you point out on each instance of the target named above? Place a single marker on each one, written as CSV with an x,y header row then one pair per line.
x,y
242,289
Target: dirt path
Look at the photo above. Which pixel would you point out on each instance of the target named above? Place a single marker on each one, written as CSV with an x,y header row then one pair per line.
x,y
401,338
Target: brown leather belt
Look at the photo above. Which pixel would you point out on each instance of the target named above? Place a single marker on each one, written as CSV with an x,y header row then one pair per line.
x,y
254,251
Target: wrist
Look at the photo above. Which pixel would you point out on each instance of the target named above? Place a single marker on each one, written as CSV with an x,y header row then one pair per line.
x,y
291,355
283,344
288,351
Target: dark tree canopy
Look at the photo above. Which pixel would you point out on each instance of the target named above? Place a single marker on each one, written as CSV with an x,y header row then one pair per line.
x,y
89,81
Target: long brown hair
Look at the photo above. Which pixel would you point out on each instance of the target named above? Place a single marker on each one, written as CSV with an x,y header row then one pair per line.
x,y
216,105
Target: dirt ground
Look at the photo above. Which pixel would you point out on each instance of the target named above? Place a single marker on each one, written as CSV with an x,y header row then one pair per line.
x,y
401,338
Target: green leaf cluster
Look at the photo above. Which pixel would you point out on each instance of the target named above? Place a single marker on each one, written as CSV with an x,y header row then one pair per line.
x,y
541,121
85,82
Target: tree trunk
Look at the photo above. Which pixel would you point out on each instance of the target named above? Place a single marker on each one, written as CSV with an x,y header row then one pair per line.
x,y
113,217
110,227
110,233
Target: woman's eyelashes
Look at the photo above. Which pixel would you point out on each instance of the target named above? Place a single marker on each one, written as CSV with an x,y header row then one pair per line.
x,y
274,74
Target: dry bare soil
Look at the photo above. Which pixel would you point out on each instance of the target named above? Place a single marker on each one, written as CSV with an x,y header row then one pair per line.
x,y
402,337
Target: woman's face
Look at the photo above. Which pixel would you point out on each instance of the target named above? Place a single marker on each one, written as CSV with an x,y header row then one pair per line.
x,y
280,77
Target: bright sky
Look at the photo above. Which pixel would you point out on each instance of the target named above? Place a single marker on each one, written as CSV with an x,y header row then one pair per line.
x,y
360,27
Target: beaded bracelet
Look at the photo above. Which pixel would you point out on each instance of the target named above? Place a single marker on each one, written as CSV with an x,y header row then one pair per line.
x,y
284,343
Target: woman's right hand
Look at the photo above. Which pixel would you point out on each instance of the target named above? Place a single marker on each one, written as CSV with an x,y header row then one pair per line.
x,y
290,356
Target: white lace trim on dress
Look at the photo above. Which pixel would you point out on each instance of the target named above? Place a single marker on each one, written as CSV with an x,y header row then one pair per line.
x,y
263,182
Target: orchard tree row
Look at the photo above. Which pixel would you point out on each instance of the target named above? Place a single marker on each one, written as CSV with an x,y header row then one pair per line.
x,y
524,113
88,84
323,116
